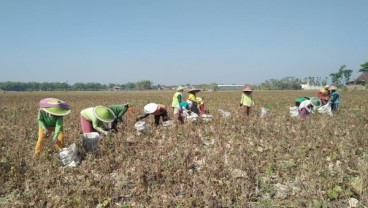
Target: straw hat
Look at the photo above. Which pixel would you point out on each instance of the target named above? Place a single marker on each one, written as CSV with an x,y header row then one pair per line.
x,y
150,108
332,88
55,106
103,113
180,88
316,102
194,90
247,89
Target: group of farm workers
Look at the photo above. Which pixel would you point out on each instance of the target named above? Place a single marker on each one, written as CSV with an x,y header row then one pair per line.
x,y
327,96
103,119
100,119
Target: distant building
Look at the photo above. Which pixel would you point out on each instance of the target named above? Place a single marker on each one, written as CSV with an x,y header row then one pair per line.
x,y
307,86
359,83
231,87
116,88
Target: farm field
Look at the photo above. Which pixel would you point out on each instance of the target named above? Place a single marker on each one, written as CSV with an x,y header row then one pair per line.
x,y
275,161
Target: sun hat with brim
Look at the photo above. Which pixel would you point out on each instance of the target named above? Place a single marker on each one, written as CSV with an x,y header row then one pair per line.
x,y
180,88
150,108
332,88
55,106
315,102
194,90
247,89
103,113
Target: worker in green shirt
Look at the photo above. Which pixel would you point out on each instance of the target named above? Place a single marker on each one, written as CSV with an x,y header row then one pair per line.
x,y
119,111
94,119
50,122
178,96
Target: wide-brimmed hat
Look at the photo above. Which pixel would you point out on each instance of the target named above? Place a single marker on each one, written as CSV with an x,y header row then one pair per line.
x,y
55,106
247,89
103,113
150,108
194,90
180,88
332,88
316,102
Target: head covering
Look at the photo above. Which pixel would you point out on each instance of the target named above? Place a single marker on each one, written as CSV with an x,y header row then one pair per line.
x,y
199,100
316,102
194,90
332,88
247,89
103,113
55,106
150,108
326,87
180,88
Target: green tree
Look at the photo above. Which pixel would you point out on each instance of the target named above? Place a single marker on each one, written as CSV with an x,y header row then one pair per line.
x,y
144,85
364,67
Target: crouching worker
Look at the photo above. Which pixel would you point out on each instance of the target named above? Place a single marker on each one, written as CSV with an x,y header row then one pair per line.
x,y
178,110
50,122
307,106
158,110
95,119
119,111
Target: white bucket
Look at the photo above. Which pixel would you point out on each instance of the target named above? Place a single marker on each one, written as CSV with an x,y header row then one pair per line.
x,y
141,126
91,142
69,155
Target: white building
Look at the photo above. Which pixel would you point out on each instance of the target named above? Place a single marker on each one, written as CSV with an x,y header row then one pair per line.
x,y
307,86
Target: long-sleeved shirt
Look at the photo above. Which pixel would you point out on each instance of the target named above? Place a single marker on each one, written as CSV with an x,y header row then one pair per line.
x,y
247,100
46,120
90,116
335,97
119,111
176,99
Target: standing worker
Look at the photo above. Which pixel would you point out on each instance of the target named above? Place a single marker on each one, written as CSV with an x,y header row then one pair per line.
x,y
178,96
334,99
94,119
158,110
50,122
247,100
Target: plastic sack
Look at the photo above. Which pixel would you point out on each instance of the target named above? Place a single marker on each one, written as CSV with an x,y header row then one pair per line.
x,y
224,114
294,111
190,116
264,112
325,109
91,142
141,126
168,123
206,117
69,156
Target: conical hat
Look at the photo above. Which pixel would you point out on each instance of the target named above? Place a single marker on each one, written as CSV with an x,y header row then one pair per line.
x,y
194,90
150,108
55,106
180,88
103,113
332,88
247,89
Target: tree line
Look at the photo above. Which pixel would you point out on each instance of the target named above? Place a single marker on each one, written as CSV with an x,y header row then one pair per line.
x,y
79,86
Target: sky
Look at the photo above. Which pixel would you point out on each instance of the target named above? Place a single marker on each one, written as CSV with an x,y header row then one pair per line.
x,y
173,42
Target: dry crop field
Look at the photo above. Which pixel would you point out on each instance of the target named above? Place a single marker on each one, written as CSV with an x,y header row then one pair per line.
x,y
276,161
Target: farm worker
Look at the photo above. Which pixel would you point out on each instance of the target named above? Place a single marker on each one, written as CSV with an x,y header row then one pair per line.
x,y
307,106
178,96
178,110
119,111
334,99
50,122
299,100
157,110
201,105
94,119
324,95
247,100
192,96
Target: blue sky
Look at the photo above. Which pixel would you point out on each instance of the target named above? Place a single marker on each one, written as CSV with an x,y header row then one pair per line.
x,y
178,42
